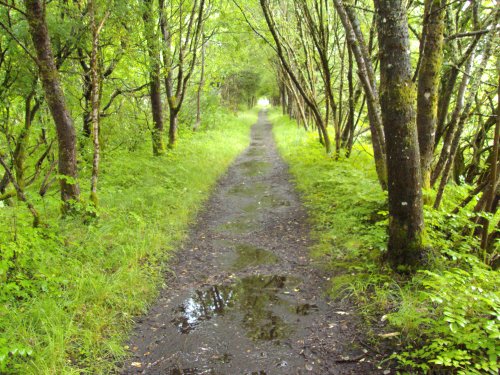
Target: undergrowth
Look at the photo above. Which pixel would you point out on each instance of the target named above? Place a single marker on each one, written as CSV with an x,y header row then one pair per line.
x,y
71,288
444,319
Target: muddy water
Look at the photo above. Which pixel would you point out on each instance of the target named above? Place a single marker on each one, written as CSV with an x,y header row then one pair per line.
x,y
243,296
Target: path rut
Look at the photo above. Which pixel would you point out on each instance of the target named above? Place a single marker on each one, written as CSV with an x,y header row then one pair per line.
x,y
243,296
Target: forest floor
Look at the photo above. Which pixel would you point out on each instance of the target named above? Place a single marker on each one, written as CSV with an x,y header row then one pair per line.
x,y
243,295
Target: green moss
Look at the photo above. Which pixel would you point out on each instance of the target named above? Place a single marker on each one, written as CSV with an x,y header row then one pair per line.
x,y
158,143
404,94
94,199
406,251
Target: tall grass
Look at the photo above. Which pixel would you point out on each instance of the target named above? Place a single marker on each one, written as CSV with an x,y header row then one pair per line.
x,y
81,284
445,318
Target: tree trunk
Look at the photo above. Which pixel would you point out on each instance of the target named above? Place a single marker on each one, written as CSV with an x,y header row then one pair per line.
x,y
66,135
186,53
20,194
87,96
201,84
406,223
289,102
22,142
428,84
493,182
95,101
154,79
448,81
445,151
172,129
366,75
350,116
282,97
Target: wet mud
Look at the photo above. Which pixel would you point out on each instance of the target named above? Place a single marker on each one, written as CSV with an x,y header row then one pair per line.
x,y
243,296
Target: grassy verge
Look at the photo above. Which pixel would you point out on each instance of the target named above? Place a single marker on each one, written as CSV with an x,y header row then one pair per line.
x,y
445,318
70,290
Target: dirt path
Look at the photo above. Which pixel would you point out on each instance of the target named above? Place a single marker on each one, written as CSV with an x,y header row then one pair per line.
x,y
245,298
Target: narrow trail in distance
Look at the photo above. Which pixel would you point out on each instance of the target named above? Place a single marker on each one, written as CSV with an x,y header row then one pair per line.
x,y
243,296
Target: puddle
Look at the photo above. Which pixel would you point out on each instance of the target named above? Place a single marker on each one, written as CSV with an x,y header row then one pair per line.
x,y
265,202
190,371
196,371
249,256
256,151
252,208
244,190
274,201
253,168
238,226
305,309
261,304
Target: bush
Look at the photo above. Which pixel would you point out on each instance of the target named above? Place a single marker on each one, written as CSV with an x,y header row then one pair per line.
x,y
447,317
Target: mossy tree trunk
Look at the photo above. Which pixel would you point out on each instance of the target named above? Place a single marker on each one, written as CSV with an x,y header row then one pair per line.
x,y
154,78
66,134
406,223
172,129
428,84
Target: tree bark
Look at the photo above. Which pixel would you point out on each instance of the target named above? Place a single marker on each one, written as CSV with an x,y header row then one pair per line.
x,y
350,116
66,135
19,156
201,84
154,79
356,42
95,84
20,194
406,223
428,84
445,151
172,129
492,188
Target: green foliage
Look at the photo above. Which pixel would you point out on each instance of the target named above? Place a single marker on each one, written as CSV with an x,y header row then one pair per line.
x,y
460,325
241,88
447,317
70,289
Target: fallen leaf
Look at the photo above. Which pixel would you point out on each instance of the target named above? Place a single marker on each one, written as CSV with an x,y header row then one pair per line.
x,y
391,334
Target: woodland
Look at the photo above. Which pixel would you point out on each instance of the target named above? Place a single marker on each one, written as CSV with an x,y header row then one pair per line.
x,y
118,118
